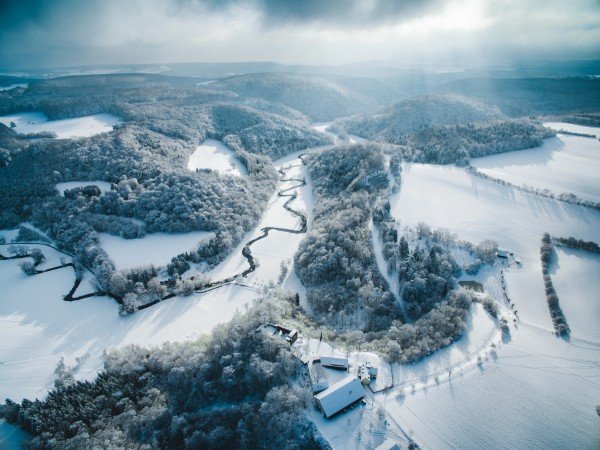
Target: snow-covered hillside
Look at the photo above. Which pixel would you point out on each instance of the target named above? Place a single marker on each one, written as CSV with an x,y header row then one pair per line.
x,y
37,122
536,388
62,187
215,155
155,248
564,164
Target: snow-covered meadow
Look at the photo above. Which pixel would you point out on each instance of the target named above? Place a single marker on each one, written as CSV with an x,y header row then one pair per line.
x,y
156,248
576,278
563,164
37,122
62,187
215,155
13,86
536,388
37,327
573,128
477,209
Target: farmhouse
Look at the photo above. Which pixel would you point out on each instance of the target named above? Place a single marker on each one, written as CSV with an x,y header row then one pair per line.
x,y
339,396
334,362
288,334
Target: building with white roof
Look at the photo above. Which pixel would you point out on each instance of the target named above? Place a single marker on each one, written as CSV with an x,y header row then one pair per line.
x,y
334,362
340,395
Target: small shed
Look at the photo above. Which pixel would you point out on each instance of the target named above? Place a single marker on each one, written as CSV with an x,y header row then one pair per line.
x,y
339,396
364,375
334,362
372,371
288,334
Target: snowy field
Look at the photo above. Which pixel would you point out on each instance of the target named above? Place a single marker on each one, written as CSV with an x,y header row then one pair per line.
x,y
12,86
535,392
573,128
155,248
36,122
215,155
537,388
37,327
481,333
576,278
477,209
563,164
62,187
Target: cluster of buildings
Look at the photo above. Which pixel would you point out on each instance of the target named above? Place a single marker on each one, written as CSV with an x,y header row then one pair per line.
x,y
333,398
334,387
332,394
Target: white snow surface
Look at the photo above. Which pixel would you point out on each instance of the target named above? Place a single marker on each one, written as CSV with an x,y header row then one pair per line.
x,y
576,278
37,327
573,128
215,155
62,187
481,333
12,86
86,126
536,388
563,164
155,248
477,209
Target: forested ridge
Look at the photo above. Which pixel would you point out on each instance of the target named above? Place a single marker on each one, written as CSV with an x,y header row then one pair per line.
x,y
335,260
235,389
446,129
145,160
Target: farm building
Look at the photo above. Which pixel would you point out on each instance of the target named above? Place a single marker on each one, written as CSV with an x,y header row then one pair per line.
x,y
288,334
367,373
339,396
363,374
334,362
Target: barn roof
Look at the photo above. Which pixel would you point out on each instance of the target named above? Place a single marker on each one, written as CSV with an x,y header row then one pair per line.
x,y
339,395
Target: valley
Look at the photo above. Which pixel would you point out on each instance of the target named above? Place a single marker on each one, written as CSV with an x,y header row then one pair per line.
x,y
142,248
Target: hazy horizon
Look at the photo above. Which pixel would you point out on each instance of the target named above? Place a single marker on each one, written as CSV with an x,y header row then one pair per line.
x,y
37,34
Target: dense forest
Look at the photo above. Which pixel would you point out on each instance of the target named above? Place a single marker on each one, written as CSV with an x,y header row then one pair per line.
x,y
335,260
236,389
145,160
345,291
446,129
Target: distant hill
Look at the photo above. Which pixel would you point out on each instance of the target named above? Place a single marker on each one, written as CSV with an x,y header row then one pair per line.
x,y
531,96
418,113
318,98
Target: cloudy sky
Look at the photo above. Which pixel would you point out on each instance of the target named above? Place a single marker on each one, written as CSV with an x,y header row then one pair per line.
x,y
51,33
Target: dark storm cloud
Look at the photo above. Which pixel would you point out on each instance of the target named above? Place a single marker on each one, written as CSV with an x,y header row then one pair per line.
x,y
41,33
331,12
